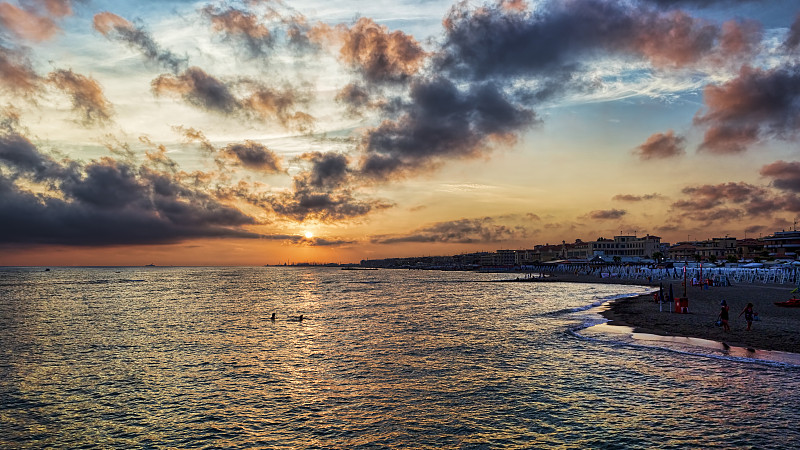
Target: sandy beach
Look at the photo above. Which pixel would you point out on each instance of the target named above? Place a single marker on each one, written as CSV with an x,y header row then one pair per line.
x,y
777,329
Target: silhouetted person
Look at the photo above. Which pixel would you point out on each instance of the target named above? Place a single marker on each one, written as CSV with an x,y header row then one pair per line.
x,y
273,317
723,316
748,315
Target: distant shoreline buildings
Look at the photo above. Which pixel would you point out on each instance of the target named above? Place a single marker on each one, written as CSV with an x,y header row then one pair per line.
x,y
623,249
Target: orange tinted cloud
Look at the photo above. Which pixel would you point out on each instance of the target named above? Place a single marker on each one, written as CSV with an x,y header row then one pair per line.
x,y
86,94
242,25
26,24
106,22
661,145
58,8
16,73
755,104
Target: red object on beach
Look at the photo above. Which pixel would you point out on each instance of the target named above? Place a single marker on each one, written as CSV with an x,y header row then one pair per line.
x,y
682,305
792,303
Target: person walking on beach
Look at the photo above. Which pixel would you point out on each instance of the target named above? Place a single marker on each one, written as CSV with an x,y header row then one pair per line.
x,y
723,316
748,315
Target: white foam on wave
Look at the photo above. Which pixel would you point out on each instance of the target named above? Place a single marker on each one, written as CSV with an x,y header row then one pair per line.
x,y
675,344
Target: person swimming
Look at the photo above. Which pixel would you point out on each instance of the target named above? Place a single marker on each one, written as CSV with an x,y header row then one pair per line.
x,y
273,317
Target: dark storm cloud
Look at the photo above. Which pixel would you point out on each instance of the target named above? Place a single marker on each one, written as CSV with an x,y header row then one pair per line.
x,y
253,155
757,104
199,89
355,97
785,175
240,25
86,95
257,102
115,27
558,37
607,214
305,203
496,62
23,158
792,41
661,146
103,202
729,201
327,169
442,121
322,192
726,192
462,231
698,3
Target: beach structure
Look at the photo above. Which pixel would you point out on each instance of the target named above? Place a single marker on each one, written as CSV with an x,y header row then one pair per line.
x,y
783,244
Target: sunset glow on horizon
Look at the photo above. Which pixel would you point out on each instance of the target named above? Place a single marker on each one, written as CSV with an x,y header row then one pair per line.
x,y
263,132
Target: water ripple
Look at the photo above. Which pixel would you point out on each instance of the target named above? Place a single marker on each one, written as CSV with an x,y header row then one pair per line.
x,y
187,357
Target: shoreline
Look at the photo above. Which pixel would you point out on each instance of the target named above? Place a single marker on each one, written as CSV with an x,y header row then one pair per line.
x,y
778,328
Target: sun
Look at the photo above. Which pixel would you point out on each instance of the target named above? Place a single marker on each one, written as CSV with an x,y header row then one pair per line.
x,y
308,234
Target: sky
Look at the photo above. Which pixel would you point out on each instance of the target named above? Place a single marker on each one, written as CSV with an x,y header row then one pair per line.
x,y
271,131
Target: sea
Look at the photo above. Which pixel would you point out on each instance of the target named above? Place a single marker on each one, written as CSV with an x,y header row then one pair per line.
x,y
188,357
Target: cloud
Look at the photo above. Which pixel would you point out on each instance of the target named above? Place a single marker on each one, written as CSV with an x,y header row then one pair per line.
x,y
661,146
462,231
323,192
698,3
355,97
23,158
86,95
26,24
439,122
199,89
561,36
785,175
636,198
758,103
792,41
729,201
496,62
260,102
241,25
269,103
104,202
58,8
115,27
253,155
378,55
607,214
16,72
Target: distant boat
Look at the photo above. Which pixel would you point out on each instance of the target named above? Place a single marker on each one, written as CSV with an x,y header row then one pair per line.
x,y
150,265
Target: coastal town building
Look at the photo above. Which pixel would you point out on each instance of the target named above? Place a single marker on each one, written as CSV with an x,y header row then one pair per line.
x,y
714,249
749,248
621,249
783,244
624,247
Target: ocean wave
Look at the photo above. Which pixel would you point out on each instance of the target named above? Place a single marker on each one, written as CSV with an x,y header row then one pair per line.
x,y
598,301
763,357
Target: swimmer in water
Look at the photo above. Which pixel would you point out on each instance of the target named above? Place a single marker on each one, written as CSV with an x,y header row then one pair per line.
x,y
273,317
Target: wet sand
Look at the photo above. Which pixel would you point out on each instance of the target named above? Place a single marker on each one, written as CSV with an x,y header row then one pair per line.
x,y
777,329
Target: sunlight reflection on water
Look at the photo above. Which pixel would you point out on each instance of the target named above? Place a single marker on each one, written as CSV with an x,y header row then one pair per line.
x,y
391,359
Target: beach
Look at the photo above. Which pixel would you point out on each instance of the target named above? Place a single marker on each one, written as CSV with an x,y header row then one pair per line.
x,y
778,328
